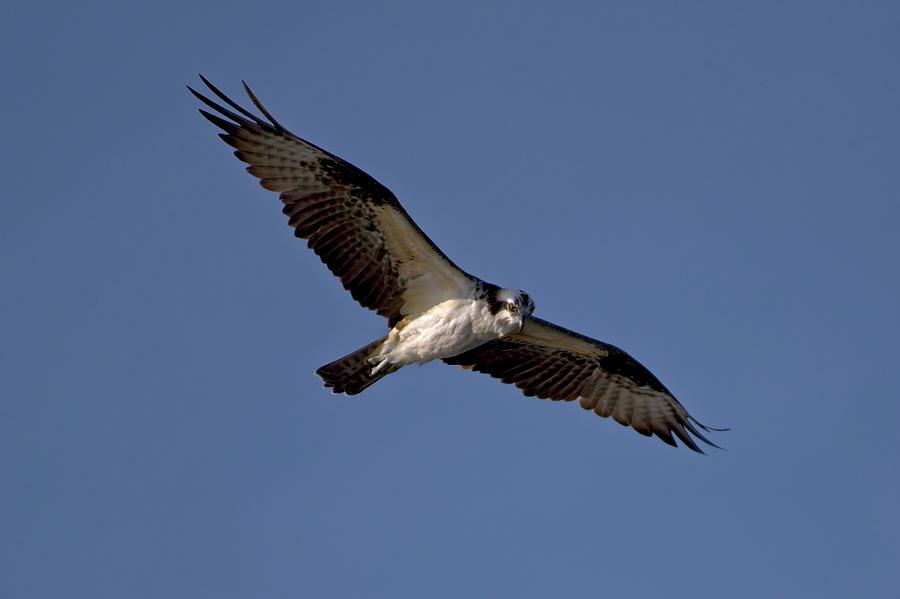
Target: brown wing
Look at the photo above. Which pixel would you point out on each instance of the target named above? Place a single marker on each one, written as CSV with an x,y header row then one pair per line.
x,y
351,221
551,362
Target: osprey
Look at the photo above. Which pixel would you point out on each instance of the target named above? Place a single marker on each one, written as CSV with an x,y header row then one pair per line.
x,y
434,309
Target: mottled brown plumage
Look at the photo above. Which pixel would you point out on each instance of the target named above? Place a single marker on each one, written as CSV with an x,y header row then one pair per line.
x,y
551,362
340,210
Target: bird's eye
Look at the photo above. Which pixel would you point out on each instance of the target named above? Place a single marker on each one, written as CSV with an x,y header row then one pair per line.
x,y
513,308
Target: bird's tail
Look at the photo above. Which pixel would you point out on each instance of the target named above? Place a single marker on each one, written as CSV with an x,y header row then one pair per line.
x,y
353,373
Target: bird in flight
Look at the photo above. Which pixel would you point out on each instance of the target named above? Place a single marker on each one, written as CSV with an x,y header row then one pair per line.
x,y
434,309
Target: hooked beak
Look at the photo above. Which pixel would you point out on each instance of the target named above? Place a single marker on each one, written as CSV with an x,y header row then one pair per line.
x,y
522,326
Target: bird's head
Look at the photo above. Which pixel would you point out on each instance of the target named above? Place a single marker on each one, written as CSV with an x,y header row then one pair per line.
x,y
514,308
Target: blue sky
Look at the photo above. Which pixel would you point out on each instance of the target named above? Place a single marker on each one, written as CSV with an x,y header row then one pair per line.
x,y
712,186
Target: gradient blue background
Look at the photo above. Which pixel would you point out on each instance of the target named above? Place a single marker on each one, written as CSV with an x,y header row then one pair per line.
x,y
712,186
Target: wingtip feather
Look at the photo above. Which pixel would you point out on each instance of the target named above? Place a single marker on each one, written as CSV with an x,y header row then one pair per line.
x,y
262,108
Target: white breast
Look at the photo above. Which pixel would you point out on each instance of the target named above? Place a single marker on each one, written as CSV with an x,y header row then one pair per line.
x,y
445,330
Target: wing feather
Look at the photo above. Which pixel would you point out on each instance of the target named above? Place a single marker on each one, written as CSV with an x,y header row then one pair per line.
x,y
351,221
551,362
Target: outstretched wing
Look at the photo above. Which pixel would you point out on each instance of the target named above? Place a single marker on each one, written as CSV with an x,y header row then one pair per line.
x,y
551,362
351,221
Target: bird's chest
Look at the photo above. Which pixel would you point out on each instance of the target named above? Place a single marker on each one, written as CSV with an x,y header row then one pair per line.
x,y
445,330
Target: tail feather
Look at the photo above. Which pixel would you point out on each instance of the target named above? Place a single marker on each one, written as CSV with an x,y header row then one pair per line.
x,y
353,373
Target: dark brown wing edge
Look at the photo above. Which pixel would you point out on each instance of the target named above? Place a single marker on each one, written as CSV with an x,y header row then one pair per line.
x,y
356,175
552,372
